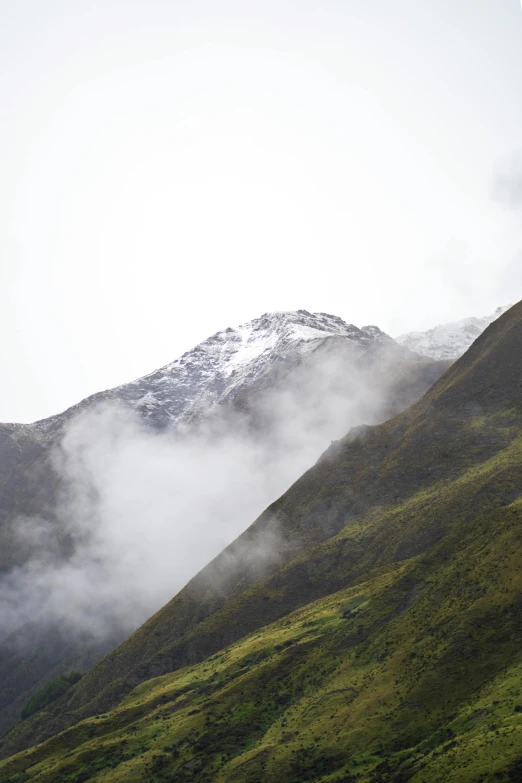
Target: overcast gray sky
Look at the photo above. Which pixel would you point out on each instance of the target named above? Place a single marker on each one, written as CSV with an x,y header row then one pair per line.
x,y
173,168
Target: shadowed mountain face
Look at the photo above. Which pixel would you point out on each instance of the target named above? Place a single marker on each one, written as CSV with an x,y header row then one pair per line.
x,y
287,382
367,625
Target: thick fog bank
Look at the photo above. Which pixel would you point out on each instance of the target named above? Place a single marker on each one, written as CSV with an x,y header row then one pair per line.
x,y
144,510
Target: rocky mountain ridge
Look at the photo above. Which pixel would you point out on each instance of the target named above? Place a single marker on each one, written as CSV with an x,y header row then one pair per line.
x,y
451,340
225,365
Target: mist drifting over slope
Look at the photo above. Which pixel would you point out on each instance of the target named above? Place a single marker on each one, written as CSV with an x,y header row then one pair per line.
x,y
144,509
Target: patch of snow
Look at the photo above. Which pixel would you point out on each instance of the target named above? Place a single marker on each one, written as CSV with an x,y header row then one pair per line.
x,y
225,364
449,341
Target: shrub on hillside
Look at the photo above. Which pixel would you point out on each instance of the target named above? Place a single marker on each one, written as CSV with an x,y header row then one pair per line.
x,y
49,693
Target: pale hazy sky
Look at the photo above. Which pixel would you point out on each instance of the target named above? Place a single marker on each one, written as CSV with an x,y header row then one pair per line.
x,y
172,168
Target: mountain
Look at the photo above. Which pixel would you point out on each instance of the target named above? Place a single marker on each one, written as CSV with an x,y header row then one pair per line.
x,y
290,382
227,364
366,627
448,341
230,365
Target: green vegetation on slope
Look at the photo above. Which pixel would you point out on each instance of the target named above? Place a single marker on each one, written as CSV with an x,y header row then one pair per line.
x,y
49,693
414,674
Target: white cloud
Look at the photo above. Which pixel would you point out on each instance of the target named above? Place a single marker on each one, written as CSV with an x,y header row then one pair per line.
x,y
145,510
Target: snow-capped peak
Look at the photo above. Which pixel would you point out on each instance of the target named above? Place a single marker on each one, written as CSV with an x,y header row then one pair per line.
x,y
229,362
451,340
233,358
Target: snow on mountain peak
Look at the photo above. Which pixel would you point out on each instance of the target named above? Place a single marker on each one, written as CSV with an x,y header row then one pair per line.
x,y
451,340
233,348
223,364
228,362
236,359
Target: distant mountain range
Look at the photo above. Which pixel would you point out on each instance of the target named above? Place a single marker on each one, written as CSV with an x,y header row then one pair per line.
x,y
366,628
235,360
451,340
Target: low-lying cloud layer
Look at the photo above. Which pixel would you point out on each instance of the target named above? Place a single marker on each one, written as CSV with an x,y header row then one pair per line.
x,y
142,511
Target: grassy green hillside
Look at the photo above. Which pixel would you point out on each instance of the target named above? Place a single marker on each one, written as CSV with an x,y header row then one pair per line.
x,y
413,674
367,626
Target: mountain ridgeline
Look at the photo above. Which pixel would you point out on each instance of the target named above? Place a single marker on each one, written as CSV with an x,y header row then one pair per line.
x,y
448,341
366,627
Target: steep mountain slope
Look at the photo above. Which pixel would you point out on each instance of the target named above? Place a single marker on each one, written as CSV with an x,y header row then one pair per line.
x,y
282,378
448,341
353,687
366,627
